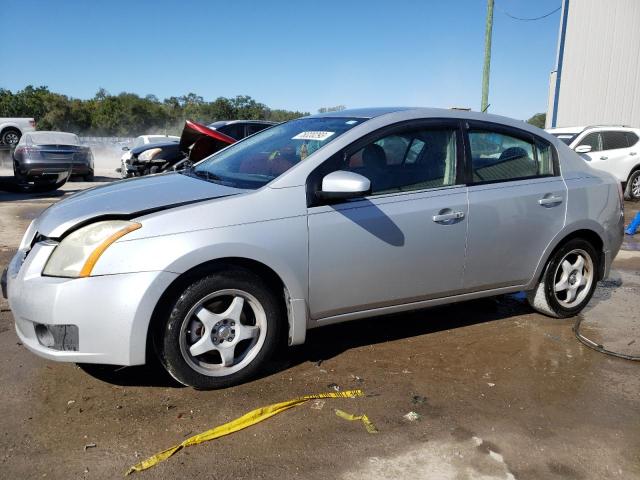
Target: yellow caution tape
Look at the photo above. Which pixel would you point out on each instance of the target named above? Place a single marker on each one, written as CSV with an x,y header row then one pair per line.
x,y
371,428
240,423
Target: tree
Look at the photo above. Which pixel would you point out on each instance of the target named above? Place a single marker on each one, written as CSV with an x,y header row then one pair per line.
x,y
128,114
538,120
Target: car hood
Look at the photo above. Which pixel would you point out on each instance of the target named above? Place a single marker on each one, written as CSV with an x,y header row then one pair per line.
x,y
200,141
127,199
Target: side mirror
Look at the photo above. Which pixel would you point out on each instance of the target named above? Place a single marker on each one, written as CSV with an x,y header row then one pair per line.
x,y
125,149
342,185
583,148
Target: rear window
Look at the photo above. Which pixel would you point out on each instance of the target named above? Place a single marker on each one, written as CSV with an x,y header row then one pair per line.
x,y
52,138
632,138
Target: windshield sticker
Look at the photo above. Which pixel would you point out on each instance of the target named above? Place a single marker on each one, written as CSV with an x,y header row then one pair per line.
x,y
319,136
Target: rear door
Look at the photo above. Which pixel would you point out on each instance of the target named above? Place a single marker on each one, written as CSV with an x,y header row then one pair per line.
x,y
517,204
618,153
403,243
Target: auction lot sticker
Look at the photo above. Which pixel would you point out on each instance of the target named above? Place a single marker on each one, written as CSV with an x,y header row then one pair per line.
x,y
319,136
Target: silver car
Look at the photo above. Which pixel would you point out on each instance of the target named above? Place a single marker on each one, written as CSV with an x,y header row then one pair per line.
x,y
319,220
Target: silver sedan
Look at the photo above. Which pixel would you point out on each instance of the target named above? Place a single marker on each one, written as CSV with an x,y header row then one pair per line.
x,y
319,220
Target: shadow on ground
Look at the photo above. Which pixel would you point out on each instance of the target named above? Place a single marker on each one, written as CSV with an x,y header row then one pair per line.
x,y
330,341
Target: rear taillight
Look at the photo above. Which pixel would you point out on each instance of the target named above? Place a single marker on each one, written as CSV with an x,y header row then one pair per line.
x,y
32,123
621,197
32,152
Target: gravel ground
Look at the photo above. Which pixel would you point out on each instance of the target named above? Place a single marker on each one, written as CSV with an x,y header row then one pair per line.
x,y
500,392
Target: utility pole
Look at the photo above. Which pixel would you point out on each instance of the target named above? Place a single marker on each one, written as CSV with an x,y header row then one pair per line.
x,y
487,57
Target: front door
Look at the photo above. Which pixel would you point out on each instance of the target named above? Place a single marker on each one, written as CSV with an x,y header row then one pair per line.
x,y
403,243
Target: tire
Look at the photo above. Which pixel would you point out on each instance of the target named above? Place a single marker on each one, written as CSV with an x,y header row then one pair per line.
x,y
632,191
153,170
552,296
89,177
230,306
11,137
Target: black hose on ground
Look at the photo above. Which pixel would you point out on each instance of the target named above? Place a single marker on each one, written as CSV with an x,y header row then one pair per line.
x,y
596,346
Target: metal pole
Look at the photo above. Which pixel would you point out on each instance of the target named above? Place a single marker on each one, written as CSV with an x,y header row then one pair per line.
x,y
487,57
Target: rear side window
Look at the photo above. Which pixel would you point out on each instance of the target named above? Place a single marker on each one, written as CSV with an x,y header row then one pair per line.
x,y
632,138
592,140
614,140
500,157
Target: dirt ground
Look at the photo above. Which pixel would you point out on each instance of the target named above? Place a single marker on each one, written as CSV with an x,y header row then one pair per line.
x,y
501,393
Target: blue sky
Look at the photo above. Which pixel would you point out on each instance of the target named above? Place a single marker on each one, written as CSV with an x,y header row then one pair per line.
x,y
299,55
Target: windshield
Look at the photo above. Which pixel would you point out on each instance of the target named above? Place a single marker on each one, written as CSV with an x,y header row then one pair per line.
x,y
53,138
254,162
565,137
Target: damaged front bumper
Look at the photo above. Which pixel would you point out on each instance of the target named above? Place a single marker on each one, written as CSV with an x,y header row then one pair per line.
x,y
101,319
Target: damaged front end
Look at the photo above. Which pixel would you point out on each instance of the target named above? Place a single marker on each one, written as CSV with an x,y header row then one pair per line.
x,y
196,143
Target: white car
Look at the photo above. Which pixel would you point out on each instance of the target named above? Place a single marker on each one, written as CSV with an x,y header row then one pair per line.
x,y
610,148
11,129
146,140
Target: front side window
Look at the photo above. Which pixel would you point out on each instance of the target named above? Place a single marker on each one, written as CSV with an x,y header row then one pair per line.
x,y
592,140
412,159
500,157
257,160
614,140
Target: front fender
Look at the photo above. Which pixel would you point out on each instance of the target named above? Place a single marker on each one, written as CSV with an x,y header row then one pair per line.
x,y
279,244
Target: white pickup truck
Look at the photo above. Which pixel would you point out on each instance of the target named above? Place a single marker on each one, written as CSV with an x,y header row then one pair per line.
x,y
11,129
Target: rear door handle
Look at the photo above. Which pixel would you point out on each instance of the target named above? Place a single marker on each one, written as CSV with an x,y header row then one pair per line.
x,y
551,200
447,217
632,153
604,158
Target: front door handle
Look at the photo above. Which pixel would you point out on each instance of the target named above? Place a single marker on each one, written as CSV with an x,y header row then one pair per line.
x,y
604,158
632,153
551,200
448,217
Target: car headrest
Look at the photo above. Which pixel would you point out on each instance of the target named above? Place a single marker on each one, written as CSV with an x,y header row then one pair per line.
x,y
373,156
513,153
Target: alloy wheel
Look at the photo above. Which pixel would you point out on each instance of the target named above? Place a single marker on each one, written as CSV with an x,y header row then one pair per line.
x,y
573,278
223,332
11,138
635,187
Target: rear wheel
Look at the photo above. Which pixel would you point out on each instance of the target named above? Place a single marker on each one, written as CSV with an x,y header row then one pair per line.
x,y
632,191
10,137
568,281
221,330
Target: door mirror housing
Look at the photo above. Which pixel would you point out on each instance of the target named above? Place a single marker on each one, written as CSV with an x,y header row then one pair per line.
x,y
342,185
583,148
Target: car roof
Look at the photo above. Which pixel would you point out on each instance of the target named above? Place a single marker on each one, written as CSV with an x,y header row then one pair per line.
x,y
222,123
566,129
361,112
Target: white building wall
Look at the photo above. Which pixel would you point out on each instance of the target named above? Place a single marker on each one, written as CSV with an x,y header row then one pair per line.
x,y
600,72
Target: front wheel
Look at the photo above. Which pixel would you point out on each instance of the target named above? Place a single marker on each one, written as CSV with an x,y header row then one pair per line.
x,y
632,191
568,281
221,330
